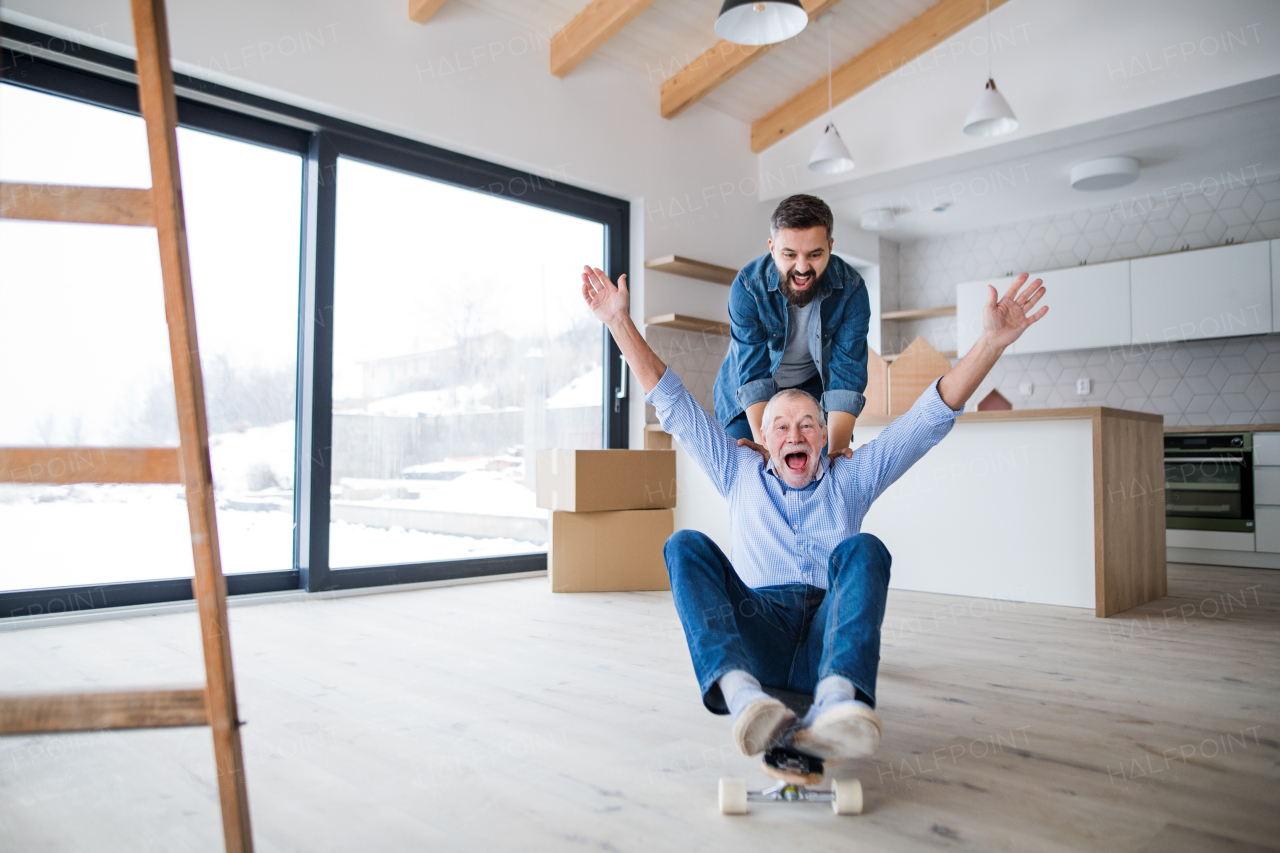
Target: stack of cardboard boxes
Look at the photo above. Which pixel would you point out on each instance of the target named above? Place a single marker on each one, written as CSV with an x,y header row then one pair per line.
x,y
610,516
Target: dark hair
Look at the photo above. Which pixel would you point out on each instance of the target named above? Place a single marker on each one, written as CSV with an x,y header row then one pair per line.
x,y
800,212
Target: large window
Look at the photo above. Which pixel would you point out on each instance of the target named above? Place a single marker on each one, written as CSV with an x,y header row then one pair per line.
x,y
85,352
388,334
462,349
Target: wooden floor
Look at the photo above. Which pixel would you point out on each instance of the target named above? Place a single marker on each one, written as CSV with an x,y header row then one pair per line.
x,y
500,717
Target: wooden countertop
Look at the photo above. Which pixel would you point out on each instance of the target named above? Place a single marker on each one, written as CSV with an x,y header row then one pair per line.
x,y
1226,428
1072,412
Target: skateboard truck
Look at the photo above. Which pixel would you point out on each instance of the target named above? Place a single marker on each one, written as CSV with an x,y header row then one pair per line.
x,y
796,772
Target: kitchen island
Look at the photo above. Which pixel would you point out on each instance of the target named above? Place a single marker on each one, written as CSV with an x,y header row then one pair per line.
x,y
1051,506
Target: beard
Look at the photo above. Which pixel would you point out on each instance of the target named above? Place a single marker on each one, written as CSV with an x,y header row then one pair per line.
x,y
798,298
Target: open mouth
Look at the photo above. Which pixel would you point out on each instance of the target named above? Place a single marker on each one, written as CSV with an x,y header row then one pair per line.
x,y
796,461
800,282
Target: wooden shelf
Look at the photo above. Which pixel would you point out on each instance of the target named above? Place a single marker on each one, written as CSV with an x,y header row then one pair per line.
x,y
920,313
688,324
677,265
945,354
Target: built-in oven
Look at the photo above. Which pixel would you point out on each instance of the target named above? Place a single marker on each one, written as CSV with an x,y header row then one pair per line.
x,y
1208,481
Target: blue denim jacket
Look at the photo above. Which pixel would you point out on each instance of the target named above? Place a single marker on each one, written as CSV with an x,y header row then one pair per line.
x,y
759,317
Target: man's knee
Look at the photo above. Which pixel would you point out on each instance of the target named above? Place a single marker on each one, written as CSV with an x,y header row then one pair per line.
x,y
685,541
862,550
686,548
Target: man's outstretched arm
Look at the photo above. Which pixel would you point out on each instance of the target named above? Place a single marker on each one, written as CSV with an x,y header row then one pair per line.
x,y
609,304
1003,322
880,463
699,433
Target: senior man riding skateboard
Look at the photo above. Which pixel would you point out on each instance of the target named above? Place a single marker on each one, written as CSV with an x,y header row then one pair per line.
x,y
801,605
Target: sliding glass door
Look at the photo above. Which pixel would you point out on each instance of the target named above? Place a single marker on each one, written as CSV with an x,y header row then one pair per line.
x,y
460,348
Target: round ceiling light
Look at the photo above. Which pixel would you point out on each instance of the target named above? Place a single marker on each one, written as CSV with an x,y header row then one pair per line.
x,y
878,220
1105,173
756,22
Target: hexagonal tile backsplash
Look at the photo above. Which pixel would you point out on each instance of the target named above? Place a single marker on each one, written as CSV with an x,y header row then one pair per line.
x,y
1221,381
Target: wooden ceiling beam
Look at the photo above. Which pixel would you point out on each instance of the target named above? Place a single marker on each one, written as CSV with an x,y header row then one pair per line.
x,y
589,29
702,76
904,44
421,10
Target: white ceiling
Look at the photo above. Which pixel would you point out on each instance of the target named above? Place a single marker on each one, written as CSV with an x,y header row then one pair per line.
x,y
670,34
1195,141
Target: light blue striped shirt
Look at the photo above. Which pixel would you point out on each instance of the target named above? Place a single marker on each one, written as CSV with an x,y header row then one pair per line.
x,y
782,535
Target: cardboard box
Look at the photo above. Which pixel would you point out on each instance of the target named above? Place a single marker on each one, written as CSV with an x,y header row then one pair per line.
x,y
606,480
609,551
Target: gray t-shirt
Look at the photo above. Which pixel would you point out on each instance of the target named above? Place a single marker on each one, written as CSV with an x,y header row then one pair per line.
x,y
797,366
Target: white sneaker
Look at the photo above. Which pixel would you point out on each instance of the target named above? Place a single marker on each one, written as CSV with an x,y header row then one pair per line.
x,y
761,724
847,730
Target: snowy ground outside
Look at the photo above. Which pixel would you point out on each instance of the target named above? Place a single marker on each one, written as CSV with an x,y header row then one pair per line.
x,y
90,534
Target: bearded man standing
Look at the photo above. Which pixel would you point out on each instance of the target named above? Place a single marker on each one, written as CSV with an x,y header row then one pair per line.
x,y
799,317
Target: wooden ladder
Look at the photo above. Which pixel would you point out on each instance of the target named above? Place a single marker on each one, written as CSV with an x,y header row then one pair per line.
x,y
160,207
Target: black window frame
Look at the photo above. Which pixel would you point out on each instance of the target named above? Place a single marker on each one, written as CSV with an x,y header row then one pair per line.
x,y
65,68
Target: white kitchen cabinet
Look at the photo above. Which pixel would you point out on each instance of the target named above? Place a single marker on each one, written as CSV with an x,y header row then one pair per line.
x,y
1267,527
1266,448
1213,540
1088,308
1210,293
1266,486
1275,285
970,297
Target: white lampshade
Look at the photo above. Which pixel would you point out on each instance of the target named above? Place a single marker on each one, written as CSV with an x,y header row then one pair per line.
x,y
878,220
991,115
757,22
1104,174
832,156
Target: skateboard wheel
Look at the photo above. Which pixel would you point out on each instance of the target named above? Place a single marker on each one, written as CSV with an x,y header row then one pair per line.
x,y
846,796
733,796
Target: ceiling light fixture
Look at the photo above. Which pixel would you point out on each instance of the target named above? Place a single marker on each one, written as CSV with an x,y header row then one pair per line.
x,y
832,156
1105,173
758,22
878,220
991,115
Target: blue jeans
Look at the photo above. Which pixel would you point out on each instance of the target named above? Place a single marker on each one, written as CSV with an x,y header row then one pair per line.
x,y
739,428
789,637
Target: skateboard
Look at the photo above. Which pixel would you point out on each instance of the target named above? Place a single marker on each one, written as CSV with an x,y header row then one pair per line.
x,y
797,774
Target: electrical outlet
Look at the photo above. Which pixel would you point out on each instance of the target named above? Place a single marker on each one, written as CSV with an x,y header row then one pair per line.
x,y
1026,388
1083,386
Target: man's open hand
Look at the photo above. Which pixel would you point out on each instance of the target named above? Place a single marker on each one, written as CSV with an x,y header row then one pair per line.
x,y
1005,320
605,300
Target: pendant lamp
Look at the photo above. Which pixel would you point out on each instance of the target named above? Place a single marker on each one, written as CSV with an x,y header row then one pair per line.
x,y
991,115
832,156
758,22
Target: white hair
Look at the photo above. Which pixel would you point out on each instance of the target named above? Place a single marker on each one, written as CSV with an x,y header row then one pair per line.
x,y
766,420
